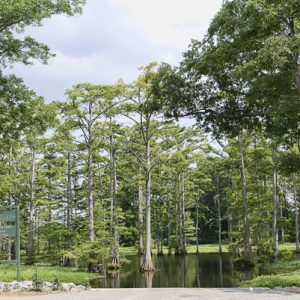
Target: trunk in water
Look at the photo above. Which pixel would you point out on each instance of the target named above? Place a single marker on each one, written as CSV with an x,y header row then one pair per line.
x,y
30,249
197,226
183,217
230,239
217,202
296,214
246,225
141,218
147,263
169,226
177,219
275,209
114,247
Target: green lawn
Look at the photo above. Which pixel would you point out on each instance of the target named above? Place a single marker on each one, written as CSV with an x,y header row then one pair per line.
x,y
47,273
205,248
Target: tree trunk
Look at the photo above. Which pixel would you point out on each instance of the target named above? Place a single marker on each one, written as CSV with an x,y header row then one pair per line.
x,y
69,203
281,200
90,194
177,219
217,202
230,239
141,217
183,238
296,214
10,200
30,249
114,247
197,226
169,227
147,264
275,209
49,208
69,262
246,225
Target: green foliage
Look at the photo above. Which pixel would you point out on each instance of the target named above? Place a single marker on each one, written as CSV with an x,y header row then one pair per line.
x,y
271,281
17,15
37,281
57,285
47,273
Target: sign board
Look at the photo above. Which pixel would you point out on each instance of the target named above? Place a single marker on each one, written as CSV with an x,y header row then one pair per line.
x,y
10,228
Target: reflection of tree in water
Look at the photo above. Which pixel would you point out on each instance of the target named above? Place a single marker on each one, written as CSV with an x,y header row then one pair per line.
x,y
115,279
221,269
203,270
183,271
198,270
148,279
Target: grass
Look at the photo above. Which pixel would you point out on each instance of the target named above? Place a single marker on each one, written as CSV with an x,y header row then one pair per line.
x,y
271,281
284,272
205,248
47,273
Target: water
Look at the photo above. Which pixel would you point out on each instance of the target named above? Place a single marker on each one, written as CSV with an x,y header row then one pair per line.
x,y
203,270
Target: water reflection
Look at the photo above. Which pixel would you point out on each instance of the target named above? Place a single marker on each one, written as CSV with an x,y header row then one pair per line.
x,y
148,279
203,270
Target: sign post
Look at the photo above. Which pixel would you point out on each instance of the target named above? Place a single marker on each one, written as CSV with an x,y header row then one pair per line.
x,y
10,228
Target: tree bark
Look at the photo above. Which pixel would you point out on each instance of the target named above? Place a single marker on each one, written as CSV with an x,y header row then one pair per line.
x,y
217,202
230,239
30,249
275,211
246,225
183,238
147,264
10,200
197,228
90,194
69,203
169,227
141,216
113,202
296,214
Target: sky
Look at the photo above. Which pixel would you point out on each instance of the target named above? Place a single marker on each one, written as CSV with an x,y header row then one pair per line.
x,y
112,39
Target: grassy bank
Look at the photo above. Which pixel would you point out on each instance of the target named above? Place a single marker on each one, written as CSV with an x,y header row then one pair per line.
x,y
47,273
284,272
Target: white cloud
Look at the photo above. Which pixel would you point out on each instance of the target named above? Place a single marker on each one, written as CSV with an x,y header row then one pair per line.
x,y
111,39
171,22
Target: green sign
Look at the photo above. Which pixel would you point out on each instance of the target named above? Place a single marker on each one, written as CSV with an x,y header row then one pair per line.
x,y
10,228
7,230
7,215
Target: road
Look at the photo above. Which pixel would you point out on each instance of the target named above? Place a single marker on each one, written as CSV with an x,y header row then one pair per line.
x,y
158,294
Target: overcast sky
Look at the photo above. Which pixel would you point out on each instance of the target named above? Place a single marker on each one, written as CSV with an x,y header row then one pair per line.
x,y
112,38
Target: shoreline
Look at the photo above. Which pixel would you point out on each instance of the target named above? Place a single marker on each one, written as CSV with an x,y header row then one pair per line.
x,y
167,293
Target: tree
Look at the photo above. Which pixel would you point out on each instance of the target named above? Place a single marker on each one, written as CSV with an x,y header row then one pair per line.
x,y
141,101
87,105
17,15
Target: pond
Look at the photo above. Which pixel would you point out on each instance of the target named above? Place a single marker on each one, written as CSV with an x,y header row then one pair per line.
x,y
202,270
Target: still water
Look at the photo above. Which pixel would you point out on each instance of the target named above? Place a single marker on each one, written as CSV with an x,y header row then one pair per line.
x,y
203,270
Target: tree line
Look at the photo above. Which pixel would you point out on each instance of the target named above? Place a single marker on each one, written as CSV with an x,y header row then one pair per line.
x,y
111,166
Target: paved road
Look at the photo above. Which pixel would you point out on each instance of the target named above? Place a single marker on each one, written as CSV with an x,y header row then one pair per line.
x,y
161,294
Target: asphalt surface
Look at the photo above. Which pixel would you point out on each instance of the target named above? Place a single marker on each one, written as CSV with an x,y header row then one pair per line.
x,y
164,294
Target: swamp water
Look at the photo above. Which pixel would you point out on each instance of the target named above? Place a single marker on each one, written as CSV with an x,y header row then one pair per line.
x,y
203,270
